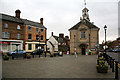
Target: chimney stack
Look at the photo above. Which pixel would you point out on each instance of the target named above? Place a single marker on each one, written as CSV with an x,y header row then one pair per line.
x,y
93,23
17,12
66,37
61,35
41,21
52,33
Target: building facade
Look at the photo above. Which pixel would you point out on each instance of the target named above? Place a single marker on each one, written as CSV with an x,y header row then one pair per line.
x,y
35,35
84,35
55,43
12,33
18,33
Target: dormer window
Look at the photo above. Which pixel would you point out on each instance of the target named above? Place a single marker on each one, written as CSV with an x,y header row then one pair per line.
x,y
18,26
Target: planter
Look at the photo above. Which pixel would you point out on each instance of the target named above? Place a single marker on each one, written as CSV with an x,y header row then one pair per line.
x,y
28,57
51,55
102,68
6,58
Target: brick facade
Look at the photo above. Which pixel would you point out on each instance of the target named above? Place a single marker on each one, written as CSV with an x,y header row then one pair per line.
x,y
12,29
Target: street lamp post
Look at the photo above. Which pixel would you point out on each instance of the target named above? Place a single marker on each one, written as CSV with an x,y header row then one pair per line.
x,y
105,28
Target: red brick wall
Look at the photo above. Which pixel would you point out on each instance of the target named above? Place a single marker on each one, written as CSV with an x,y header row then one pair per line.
x,y
12,29
34,33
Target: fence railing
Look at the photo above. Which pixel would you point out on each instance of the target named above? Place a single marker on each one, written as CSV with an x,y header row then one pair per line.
x,y
112,62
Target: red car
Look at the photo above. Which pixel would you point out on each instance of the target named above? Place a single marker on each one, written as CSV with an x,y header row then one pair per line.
x,y
101,50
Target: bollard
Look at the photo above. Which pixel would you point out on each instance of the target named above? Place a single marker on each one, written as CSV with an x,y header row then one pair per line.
x,y
39,55
107,58
45,54
110,62
113,65
116,70
12,57
97,61
33,55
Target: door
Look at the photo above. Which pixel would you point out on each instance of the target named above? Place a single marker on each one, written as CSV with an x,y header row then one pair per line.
x,y
83,51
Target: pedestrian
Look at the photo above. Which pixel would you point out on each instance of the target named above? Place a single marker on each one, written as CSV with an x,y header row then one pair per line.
x,y
89,52
75,53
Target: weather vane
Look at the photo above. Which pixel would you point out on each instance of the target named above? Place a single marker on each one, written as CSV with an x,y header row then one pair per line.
x,y
85,2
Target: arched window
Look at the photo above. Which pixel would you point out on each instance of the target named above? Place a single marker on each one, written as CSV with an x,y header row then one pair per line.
x,y
18,26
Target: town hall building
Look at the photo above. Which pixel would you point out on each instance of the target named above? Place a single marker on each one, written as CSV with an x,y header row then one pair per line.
x,y
84,36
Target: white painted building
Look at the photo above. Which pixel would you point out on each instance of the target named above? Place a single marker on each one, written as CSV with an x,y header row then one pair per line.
x,y
52,43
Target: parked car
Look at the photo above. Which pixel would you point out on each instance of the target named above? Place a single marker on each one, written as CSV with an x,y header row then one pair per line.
x,y
109,50
17,51
37,52
117,50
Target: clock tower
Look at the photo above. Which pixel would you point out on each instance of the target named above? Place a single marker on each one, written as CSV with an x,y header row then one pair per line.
x,y
85,14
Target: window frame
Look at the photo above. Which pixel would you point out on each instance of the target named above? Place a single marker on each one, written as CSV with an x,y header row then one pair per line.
x,y
5,35
29,37
5,24
41,38
29,28
42,30
18,27
83,34
37,29
18,35
37,37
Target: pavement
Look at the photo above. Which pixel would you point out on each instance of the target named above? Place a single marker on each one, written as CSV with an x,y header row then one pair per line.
x,y
68,66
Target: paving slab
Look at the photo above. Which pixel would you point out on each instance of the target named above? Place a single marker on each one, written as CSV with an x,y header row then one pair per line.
x,y
68,66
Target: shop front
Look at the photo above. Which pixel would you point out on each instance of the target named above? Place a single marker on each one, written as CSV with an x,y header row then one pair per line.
x,y
11,45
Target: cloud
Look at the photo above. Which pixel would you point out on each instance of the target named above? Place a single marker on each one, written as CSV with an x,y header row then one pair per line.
x,y
60,15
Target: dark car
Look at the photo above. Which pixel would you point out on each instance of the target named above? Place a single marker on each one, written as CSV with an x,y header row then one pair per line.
x,y
37,52
17,52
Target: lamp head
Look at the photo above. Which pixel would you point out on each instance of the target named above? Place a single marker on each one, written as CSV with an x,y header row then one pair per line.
x,y
105,27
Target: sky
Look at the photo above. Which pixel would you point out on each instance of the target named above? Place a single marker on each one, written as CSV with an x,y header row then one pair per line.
x,y
61,15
